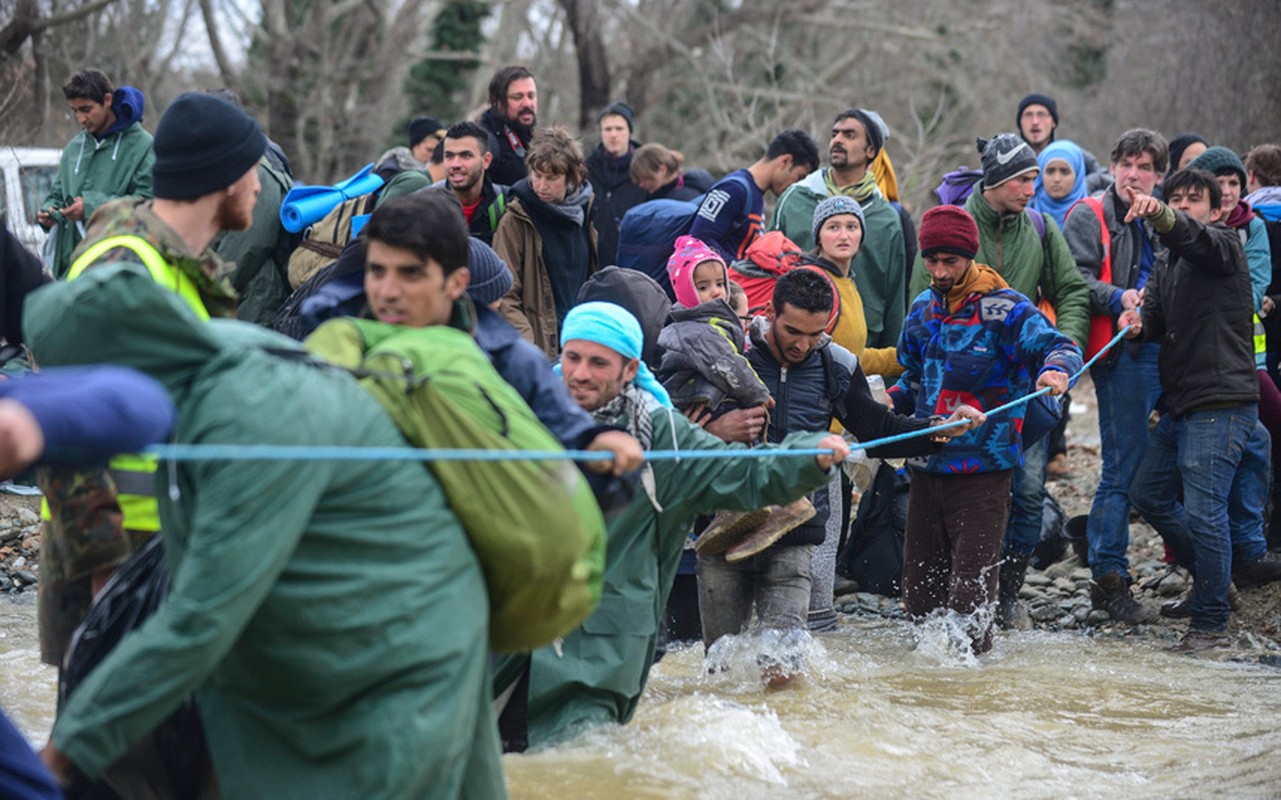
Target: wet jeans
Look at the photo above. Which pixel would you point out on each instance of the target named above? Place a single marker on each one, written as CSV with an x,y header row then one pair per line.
x,y
1127,393
1220,458
955,525
777,581
1027,500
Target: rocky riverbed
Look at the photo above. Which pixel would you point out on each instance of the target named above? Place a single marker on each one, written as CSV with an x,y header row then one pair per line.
x,y
19,544
1058,597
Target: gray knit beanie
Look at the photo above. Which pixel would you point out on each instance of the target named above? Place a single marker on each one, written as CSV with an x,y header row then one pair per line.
x,y
490,277
1005,156
834,205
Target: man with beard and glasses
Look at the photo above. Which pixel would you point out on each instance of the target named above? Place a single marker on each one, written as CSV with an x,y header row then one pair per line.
x,y
206,181
467,159
880,268
510,121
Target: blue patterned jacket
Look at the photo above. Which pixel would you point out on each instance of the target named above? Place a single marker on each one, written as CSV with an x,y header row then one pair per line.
x,y
990,351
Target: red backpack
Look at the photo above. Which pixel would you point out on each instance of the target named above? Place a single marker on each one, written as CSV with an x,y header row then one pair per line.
x,y
769,256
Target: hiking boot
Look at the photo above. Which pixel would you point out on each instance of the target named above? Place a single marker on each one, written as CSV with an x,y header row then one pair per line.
x,y
1264,569
1182,608
1057,467
726,529
1194,641
1011,614
1111,593
782,519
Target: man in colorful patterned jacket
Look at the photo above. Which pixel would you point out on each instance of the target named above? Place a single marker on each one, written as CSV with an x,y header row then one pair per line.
x,y
969,339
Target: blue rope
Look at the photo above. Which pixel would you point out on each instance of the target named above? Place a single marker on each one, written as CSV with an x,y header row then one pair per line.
x,y
227,452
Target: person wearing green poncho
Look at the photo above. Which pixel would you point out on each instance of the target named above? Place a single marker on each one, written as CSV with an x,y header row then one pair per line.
x,y
596,675
110,158
329,616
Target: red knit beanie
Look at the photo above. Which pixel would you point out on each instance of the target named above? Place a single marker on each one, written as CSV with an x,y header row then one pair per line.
x,y
949,229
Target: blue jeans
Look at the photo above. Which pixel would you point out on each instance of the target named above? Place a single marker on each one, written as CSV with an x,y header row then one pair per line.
x,y
1220,458
1127,393
1027,500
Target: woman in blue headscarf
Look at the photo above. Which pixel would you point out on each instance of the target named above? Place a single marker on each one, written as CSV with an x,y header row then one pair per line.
x,y
1061,181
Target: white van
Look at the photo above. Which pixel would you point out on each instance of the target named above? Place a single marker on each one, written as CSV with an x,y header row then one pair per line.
x,y
28,174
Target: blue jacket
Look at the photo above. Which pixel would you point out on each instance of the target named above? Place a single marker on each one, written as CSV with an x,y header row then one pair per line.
x,y
829,384
988,352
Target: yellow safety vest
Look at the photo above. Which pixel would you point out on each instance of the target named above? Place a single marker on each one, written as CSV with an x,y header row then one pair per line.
x,y
134,475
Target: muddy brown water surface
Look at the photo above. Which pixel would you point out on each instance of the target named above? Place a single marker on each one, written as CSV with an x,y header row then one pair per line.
x,y
893,710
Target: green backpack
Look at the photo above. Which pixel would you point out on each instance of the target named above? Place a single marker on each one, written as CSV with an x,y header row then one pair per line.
x,y
535,525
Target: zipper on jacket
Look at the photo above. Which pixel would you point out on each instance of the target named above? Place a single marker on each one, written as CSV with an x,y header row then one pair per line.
x,y
780,405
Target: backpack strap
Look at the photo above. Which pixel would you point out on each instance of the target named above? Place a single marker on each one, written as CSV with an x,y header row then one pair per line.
x,y
496,210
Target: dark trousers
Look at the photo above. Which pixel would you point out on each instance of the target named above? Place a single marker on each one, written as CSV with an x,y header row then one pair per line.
x,y
955,525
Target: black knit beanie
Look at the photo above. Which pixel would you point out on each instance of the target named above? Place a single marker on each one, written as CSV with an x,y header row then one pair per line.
x,y
203,144
1036,99
621,109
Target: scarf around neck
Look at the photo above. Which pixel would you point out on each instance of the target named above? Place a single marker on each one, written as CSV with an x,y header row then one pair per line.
x,y
861,191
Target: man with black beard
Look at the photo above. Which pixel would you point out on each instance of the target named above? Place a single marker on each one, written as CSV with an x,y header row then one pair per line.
x,y
510,121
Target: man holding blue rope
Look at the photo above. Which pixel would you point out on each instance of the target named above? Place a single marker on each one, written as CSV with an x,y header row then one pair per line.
x,y
599,671
969,339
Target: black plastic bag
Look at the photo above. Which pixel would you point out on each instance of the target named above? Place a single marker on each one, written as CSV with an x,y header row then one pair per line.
x,y
173,760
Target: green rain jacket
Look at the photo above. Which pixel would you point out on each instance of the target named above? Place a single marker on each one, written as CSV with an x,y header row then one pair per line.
x,y
879,269
97,170
1032,266
329,616
601,669
261,254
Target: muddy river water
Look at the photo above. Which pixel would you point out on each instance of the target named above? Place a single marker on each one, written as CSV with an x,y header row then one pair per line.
x,y
888,711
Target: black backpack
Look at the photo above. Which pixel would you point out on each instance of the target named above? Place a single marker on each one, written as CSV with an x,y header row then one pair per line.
x,y
873,553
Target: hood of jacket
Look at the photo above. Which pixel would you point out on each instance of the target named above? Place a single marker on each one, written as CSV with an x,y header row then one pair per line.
x,y
639,294
117,314
128,105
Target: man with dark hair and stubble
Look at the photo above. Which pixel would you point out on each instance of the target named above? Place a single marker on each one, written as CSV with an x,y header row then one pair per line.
x,y
467,159
110,157
732,214
510,121
1203,481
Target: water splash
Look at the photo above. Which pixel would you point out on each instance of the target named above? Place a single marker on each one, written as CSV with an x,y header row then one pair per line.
x,y
946,638
742,660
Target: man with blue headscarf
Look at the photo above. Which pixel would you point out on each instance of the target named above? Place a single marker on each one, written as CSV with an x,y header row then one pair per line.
x,y
596,675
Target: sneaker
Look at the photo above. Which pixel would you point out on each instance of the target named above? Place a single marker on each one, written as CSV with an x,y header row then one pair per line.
x,y
726,529
782,519
1194,641
1111,593
1264,569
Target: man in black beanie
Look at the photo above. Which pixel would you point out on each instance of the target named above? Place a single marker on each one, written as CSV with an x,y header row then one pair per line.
x,y
206,181
1038,119
609,170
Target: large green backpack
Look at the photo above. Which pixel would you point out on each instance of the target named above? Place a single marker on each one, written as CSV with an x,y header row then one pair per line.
x,y
535,525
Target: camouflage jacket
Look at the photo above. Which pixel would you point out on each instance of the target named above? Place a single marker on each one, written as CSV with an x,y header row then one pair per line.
x,y
134,217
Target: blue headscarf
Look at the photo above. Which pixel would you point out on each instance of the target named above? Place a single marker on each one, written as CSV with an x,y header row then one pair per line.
x,y
1065,150
614,327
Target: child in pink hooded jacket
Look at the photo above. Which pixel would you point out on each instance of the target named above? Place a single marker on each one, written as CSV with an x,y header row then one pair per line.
x,y
703,362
